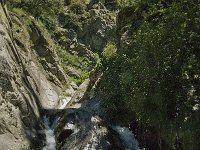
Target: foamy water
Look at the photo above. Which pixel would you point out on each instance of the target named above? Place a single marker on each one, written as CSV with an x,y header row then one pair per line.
x,y
49,132
127,137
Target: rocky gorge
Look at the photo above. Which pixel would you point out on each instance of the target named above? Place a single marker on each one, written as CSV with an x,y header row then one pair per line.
x,y
99,75
34,112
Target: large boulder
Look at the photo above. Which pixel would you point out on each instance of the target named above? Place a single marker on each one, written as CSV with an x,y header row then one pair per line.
x,y
78,129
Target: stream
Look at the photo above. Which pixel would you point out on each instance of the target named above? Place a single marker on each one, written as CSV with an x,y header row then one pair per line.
x,y
125,136
49,133
78,129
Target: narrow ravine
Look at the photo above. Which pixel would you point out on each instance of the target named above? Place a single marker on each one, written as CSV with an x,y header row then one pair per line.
x,y
99,75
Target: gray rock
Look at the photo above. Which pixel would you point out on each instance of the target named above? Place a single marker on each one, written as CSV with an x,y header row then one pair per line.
x,y
31,79
92,34
78,130
80,92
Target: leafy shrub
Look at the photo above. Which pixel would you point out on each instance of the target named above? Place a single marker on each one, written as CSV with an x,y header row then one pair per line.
x,y
77,6
38,8
154,78
80,63
109,51
126,3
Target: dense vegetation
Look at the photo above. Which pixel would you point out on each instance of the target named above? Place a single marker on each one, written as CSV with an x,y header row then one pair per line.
x,y
157,78
47,14
154,76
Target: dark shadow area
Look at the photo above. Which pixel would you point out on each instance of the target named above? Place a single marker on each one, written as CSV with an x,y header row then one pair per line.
x,y
64,135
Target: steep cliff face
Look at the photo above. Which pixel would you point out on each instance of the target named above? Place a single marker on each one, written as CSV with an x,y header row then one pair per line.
x,y
89,29
33,85
30,80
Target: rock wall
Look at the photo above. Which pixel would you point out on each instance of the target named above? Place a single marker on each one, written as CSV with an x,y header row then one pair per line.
x,y
30,80
31,77
89,31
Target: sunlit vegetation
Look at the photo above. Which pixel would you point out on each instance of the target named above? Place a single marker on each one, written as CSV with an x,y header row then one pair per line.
x,y
158,78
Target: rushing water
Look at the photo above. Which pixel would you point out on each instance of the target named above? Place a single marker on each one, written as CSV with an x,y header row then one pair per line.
x,y
127,137
49,132
50,125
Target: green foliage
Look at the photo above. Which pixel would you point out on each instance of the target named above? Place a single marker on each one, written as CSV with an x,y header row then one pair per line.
x,y
77,6
38,8
19,11
157,79
45,13
109,51
154,78
23,16
126,3
43,10
78,80
77,15
82,64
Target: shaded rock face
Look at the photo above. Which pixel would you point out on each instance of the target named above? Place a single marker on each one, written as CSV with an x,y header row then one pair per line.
x,y
30,79
93,33
31,83
78,129
101,28
64,135
128,21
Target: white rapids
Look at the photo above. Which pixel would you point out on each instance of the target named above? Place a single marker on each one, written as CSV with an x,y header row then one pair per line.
x,y
127,137
49,132
49,126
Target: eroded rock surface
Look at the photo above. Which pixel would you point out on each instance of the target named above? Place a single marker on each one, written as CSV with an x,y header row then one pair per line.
x,y
32,83
91,35
78,129
30,80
